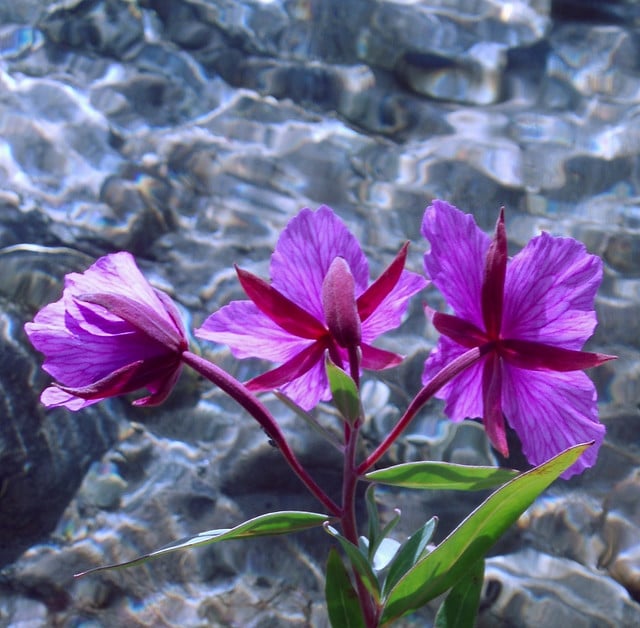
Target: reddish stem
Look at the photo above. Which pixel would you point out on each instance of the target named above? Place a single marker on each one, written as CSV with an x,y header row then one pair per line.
x,y
438,381
259,412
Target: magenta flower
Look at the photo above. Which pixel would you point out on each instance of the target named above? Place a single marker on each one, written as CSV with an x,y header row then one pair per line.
x,y
531,315
110,334
318,301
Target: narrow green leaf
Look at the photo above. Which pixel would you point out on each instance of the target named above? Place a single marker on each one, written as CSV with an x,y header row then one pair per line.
x,y
372,517
441,475
409,554
270,524
344,393
343,605
310,420
460,608
359,563
469,542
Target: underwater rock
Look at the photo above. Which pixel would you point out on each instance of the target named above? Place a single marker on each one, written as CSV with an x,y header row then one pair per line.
x,y
532,589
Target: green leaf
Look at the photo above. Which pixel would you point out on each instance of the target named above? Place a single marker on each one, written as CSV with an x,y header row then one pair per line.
x,y
343,605
359,563
460,608
410,553
270,524
311,421
470,541
344,393
441,475
376,534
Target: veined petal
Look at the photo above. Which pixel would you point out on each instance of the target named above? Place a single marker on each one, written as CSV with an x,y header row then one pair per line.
x,y
376,359
141,317
76,358
250,334
281,310
390,311
463,394
550,412
117,273
537,356
455,262
549,292
311,388
304,252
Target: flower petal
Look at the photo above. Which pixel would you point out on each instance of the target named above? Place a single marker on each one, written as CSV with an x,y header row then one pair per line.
x,y
551,412
549,292
250,334
463,394
376,359
456,260
304,252
390,311
538,356
373,296
307,391
281,310
75,357
294,368
117,273
53,397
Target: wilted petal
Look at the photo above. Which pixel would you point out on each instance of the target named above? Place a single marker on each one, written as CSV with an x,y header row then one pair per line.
x,y
549,292
463,394
551,412
250,334
304,252
456,260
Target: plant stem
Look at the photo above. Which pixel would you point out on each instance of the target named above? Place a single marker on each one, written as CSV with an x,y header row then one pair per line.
x,y
238,391
438,381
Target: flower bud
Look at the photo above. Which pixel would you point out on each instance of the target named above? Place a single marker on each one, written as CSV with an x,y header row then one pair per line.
x,y
339,304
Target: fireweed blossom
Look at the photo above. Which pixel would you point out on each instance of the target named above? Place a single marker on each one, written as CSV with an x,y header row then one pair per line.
x,y
319,300
530,316
110,334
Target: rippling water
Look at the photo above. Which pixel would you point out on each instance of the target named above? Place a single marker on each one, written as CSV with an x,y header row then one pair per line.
x,y
189,132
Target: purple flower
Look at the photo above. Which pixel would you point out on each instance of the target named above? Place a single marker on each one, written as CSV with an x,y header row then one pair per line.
x,y
110,334
531,315
318,301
